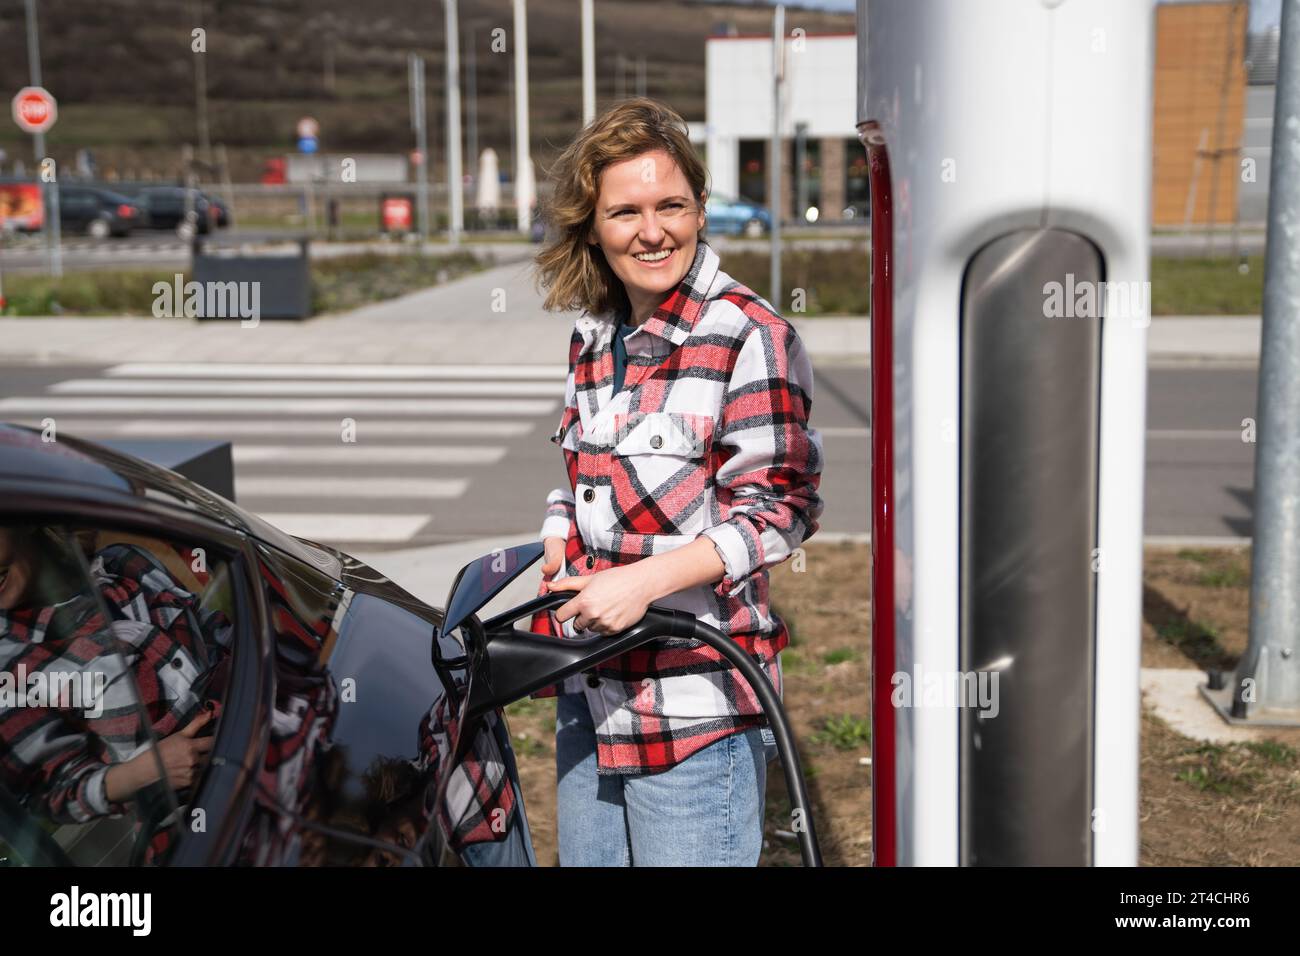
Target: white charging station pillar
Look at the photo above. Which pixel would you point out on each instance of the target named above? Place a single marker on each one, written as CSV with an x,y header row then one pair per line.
x,y
1010,160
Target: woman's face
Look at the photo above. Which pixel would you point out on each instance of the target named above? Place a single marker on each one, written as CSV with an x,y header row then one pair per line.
x,y
645,206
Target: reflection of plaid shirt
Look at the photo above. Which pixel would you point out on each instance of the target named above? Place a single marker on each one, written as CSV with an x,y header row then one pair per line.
x,y
478,802
56,757
709,437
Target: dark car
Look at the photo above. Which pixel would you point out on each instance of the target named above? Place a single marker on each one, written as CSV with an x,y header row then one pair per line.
x,y
315,710
167,207
183,684
218,213
97,212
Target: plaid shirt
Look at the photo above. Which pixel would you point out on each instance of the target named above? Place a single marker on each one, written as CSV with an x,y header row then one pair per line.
x,y
56,757
709,437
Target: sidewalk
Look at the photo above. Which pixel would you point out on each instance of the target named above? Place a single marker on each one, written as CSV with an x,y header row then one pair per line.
x,y
491,317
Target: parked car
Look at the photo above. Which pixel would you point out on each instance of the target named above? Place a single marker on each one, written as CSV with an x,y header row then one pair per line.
x,y
320,708
165,208
97,212
732,217
183,684
219,214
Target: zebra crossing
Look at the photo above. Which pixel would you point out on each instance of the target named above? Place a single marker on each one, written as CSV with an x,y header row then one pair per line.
x,y
349,455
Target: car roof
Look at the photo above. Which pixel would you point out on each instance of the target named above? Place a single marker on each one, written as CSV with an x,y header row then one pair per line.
x,y
78,470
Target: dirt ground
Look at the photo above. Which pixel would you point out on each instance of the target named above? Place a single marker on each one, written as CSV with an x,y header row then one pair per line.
x,y
1200,804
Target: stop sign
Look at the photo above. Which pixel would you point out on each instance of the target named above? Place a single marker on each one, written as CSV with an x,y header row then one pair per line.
x,y
35,109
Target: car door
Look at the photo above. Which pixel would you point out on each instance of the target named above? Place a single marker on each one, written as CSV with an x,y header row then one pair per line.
x,y
116,652
366,764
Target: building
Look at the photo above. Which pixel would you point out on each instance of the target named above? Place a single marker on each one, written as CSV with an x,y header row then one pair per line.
x,y
819,108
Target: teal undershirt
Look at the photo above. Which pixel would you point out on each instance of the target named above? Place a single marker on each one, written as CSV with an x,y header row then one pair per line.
x,y
620,351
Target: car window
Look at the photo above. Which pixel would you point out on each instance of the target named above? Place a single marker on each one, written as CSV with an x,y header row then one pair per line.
x,y
115,651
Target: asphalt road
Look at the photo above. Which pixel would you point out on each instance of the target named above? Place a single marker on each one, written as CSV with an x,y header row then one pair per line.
x,y
441,458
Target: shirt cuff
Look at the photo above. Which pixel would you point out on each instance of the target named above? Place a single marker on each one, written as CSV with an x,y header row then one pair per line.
x,y
741,550
96,795
555,526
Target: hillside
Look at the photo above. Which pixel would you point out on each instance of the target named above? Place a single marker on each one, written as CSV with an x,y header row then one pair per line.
x,y
123,71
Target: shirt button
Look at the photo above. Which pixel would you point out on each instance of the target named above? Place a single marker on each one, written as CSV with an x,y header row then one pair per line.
x,y
591,562
656,441
592,680
177,662
589,495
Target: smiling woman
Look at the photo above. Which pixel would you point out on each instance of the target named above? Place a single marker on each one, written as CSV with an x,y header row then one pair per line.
x,y
692,471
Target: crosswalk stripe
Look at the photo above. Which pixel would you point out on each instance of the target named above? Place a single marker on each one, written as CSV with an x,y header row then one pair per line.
x,y
306,486
330,372
282,407
226,428
361,454
122,386
330,528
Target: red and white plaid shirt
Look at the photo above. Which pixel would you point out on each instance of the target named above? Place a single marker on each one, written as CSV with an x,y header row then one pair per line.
x,y
709,437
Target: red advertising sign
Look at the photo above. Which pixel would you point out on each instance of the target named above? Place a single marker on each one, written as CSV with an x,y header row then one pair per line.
x,y
21,206
396,213
35,110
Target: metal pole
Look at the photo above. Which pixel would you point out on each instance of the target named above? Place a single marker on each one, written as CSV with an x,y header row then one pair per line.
x,y
49,191
471,96
201,92
523,198
416,64
800,177
1273,654
774,162
588,62
455,185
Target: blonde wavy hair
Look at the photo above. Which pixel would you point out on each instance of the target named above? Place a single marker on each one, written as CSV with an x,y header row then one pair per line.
x,y
574,273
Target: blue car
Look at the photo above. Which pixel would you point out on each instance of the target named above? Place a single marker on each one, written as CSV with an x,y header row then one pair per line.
x,y
732,217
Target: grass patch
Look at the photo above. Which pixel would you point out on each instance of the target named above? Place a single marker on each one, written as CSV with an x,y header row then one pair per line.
x,y
837,282
844,732
1207,286
833,282
1198,641
351,281
126,292
794,662
839,655
1231,769
1233,576
346,282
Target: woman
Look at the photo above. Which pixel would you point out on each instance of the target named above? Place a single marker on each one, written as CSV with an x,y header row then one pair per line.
x,y
691,472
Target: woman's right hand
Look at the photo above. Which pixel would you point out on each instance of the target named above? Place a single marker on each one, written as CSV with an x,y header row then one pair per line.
x,y
554,557
183,753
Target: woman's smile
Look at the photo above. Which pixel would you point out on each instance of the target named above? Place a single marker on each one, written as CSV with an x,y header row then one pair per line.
x,y
659,261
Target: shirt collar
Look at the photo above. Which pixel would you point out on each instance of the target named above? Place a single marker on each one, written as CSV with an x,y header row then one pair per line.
x,y
675,318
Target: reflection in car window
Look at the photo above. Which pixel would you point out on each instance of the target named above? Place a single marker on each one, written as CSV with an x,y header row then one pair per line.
x,y
125,641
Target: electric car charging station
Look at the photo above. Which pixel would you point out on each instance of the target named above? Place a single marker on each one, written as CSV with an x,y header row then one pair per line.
x,y
1009,148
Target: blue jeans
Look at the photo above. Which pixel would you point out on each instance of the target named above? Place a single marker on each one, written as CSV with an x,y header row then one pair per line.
x,y
705,811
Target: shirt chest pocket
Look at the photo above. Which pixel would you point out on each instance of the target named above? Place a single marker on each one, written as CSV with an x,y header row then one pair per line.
x,y
660,474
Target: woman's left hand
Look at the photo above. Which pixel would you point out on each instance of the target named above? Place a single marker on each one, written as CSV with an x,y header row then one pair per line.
x,y
608,601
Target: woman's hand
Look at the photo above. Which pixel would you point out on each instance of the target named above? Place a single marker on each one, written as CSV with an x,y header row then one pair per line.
x,y
608,601
183,753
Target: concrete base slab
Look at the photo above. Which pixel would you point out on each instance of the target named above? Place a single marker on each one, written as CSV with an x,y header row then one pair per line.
x,y
1174,694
